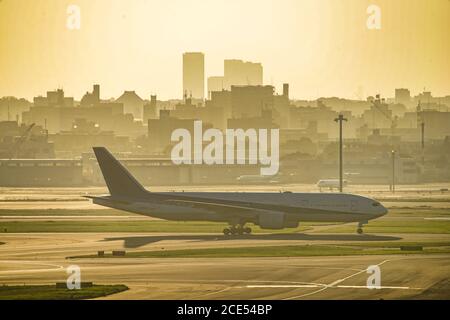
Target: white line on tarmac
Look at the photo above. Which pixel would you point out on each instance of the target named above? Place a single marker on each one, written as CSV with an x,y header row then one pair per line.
x,y
286,286
55,267
333,284
326,286
31,217
210,293
381,287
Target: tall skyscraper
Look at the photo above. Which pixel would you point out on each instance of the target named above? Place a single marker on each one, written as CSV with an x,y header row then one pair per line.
x,y
242,73
194,75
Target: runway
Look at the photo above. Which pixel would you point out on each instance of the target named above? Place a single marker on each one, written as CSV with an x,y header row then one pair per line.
x,y
41,258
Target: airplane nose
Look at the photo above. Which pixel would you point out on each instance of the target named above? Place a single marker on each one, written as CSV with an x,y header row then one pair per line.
x,y
380,211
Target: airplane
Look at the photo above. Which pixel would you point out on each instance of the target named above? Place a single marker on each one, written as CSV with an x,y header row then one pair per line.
x,y
268,210
256,179
331,184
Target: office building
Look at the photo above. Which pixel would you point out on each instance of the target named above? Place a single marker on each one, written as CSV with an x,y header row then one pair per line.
x,y
194,75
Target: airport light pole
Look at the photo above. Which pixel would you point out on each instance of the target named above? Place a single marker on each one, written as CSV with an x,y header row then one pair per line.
x,y
422,126
393,170
340,119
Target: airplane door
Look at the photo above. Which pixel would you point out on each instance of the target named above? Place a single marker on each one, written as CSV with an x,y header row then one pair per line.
x,y
353,205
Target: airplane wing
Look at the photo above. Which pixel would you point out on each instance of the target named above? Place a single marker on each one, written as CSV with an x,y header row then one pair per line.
x,y
223,208
214,206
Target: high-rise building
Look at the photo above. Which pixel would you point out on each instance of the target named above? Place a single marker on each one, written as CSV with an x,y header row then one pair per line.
x,y
242,73
215,84
402,96
251,101
194,75
150,111
96,92
286,90
55,98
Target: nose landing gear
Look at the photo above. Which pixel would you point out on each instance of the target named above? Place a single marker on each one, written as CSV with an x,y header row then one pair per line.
x,y
237,230
360,227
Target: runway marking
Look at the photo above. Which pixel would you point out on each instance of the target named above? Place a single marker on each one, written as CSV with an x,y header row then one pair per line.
x,y
218,281
285,286
210,293
436,218
324,285
61,217
55,267
381,287
333,284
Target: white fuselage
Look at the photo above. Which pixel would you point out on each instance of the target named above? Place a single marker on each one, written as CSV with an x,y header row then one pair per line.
x,y
227,206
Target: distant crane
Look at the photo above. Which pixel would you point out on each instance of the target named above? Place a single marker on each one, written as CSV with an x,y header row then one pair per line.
x,y
24,137
394,120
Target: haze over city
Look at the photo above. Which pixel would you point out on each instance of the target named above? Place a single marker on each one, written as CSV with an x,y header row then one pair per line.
x,y
224,149
322,48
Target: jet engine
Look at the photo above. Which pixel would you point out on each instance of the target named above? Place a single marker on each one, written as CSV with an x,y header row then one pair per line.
x,y
275,220
270,220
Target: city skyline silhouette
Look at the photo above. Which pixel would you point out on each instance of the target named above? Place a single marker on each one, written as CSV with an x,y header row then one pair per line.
x,y
321,48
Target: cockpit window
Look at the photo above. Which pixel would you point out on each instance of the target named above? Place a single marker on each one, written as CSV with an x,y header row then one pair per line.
x,y
375,204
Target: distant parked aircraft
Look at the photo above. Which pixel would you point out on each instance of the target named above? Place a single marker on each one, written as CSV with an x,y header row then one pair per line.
x,y
268,210
330,184
249,179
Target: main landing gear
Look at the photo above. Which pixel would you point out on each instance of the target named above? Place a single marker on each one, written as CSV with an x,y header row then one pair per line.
x,y
237,230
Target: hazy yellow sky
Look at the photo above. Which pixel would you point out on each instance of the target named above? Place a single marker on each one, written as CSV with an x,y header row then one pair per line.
x,y
320,47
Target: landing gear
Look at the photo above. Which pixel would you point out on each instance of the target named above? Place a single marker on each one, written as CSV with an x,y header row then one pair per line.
x,y
247,230
360,227
237,230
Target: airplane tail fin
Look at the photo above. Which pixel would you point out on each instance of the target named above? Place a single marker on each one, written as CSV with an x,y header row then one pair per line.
x,y
120,182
